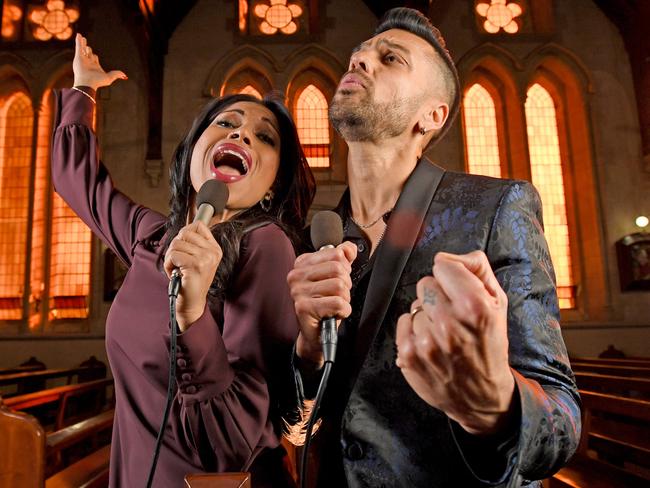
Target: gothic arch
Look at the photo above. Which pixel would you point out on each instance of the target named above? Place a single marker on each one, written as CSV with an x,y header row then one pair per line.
x,y
569,83
245,57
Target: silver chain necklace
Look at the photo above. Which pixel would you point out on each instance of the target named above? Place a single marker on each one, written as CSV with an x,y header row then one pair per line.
x,y
367,226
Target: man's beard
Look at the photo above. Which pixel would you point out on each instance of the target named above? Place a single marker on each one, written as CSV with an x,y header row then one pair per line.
x,y
367,121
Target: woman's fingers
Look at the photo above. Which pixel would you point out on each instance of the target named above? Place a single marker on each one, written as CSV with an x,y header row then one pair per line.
x,y
87,68
117,75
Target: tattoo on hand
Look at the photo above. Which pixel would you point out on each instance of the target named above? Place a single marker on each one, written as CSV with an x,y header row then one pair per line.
x,y
429,296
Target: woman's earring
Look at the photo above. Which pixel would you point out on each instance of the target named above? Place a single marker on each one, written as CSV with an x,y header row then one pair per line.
x,y
265,202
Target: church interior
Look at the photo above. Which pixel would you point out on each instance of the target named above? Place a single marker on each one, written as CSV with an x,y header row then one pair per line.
x,y
553,92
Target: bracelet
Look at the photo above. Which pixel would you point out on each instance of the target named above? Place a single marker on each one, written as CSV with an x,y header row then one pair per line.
x,y
81,91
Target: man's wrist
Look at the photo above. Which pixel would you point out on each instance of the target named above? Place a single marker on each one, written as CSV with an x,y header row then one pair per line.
x,y
503,419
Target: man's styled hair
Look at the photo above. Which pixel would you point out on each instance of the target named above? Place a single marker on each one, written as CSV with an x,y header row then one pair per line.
x,y
415,22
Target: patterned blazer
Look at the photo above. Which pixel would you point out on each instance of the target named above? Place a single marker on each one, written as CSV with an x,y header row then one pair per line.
x,y
388,435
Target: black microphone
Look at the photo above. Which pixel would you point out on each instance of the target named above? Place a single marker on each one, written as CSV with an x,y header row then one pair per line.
x,y
211,199
327,232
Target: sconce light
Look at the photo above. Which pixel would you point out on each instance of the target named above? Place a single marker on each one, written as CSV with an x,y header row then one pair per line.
x,y
633,253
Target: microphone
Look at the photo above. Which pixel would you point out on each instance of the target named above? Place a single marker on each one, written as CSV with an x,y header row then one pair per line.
x,y
211,199
327,232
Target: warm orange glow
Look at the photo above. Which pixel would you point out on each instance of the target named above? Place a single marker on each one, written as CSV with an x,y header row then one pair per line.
x,y
69,263
11,14
310,111
481,139
546,171
250,90
39,214
67,254
278,16
53,20
16,128
499,16
243,15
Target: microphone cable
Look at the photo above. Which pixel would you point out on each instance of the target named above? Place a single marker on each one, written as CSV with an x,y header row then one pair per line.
x,y
328,338
172,293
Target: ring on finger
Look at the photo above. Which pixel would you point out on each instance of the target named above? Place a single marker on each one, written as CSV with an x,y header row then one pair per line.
x,y
416,310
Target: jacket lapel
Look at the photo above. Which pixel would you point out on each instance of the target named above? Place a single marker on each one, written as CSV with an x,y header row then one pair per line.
x,y
404,227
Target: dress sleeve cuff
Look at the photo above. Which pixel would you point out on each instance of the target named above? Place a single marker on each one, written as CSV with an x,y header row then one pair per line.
x,y
203,370
76,107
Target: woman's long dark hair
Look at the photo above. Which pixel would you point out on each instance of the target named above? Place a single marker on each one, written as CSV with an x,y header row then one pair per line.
x,y
294,188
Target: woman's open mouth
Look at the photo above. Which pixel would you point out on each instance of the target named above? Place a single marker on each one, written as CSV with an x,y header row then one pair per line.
x,y
230,162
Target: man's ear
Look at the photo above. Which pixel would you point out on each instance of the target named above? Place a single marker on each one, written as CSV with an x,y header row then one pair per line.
x,y
434,117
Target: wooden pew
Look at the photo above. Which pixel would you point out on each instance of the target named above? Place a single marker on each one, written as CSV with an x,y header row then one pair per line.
x,y
62,395
630,362
614,447
614,370
620,385
27,446
27,382
221,480
32,364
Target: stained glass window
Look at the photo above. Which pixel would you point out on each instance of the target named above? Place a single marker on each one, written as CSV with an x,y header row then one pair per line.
x,y
278,15
12,13
58,285
310,111
546,171
481,139
499,15
54,20
16,128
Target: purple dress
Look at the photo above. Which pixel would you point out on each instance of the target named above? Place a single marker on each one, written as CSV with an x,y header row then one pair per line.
x,y
231,364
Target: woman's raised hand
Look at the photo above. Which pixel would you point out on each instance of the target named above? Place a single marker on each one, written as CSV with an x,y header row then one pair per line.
x,y
86,67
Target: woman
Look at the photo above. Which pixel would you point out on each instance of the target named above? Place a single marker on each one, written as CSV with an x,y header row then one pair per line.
x,y
234,310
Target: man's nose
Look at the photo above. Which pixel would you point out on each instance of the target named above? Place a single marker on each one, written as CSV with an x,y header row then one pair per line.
x,y
359,61
237,134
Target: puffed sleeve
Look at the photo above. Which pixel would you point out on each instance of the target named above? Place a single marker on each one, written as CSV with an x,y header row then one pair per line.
x,y
83,181
548,404
231,383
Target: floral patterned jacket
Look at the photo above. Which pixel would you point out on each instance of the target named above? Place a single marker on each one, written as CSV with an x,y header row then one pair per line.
x,y
385,434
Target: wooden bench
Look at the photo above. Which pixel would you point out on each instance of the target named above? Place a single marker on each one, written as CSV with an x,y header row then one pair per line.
x,y
27,447
32,364
35,380
62,395
89,472
614,370
633,362
220,480
614,447
620,385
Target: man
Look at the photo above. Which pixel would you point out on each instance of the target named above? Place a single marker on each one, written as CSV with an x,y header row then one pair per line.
x,y
451,369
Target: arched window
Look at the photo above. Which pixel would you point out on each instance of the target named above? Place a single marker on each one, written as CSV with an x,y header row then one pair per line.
x,y
16,128
248,80
39,233
310,111
546,172
70,241
481,138
250,90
